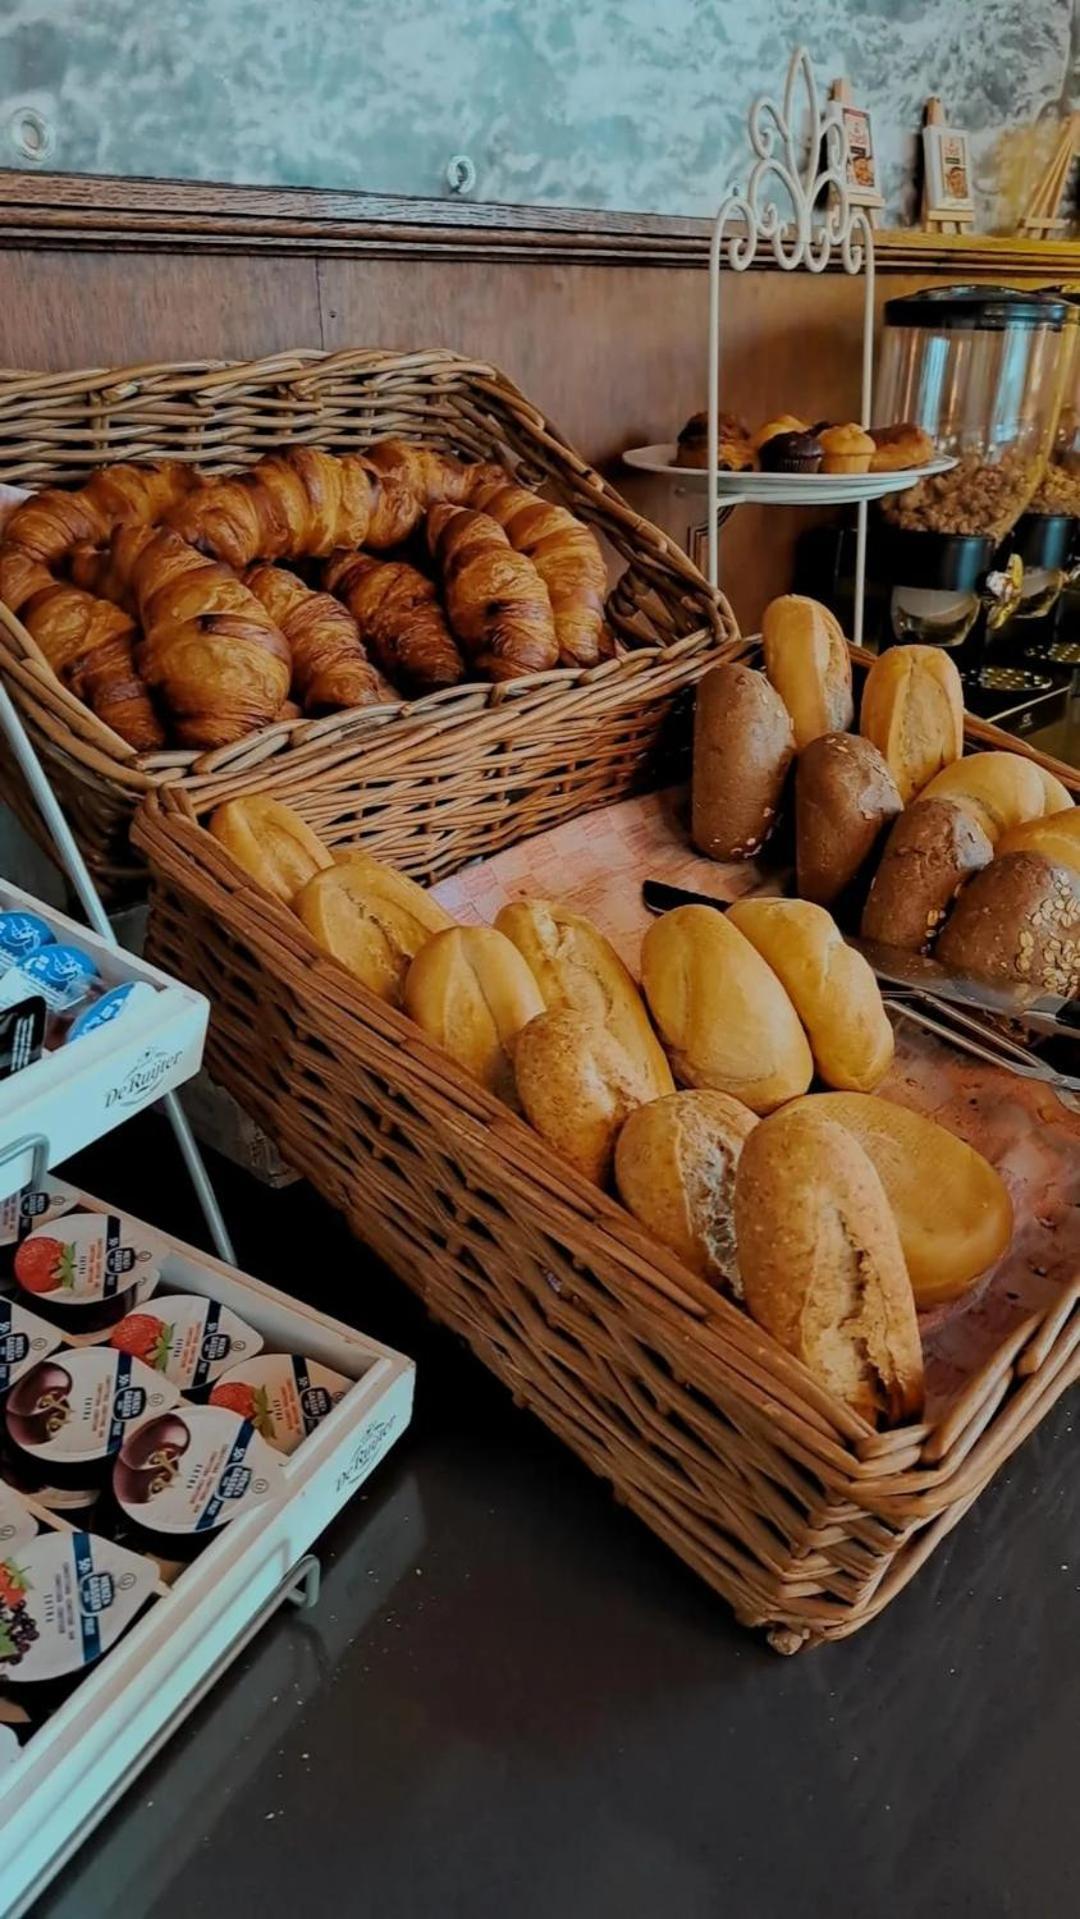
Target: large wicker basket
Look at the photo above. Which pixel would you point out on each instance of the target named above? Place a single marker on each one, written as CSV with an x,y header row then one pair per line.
x,y
547,731
805,1519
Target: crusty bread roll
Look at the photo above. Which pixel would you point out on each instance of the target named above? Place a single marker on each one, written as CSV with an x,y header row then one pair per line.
x,y
575,966
675,1169
743,745
270,842
371,919
723,1015
1056,797
1000,789
830,985
932,849
470,990
1017,923
913,711
821,1262
577,1085
1056,837
952,1210
845,796
807,660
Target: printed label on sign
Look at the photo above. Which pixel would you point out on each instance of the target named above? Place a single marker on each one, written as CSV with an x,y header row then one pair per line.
x,y
194,1469
65,1598
91,1257
24,1340
78,1407
189,1339
284,1396
21,1212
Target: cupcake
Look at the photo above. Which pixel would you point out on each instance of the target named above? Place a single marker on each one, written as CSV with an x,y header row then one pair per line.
x,y
784,423
791,453
846,449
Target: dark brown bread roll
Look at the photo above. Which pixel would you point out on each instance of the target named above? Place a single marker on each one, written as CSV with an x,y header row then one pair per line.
x,y
932,849
743,745
845,796
1017,924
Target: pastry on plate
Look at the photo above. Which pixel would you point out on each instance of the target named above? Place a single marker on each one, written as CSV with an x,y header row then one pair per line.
x,y
783,423
901,446
735,455
791,453
846,449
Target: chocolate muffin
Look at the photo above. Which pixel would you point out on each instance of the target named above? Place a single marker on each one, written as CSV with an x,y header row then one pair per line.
x,y
933,848
791,453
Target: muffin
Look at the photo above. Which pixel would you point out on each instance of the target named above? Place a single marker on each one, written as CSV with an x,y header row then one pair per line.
x,y
846,449
785,423
791,453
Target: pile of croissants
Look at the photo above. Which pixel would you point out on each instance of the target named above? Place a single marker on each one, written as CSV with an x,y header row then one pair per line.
x,y
156,596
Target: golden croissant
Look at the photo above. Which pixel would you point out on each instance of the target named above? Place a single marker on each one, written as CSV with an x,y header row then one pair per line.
x,y
567,557
498,605
401,622
48,523
330,668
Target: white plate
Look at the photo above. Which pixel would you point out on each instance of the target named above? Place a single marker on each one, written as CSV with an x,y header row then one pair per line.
x,y
782,489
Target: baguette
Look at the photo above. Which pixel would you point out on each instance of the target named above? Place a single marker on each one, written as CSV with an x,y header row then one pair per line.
x,y
830,985
675,1169
470,990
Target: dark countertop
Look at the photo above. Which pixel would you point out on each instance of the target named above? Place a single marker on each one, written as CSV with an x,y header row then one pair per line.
x,y
512,1700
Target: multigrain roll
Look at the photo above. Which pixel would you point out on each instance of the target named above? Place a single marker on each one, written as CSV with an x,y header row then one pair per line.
x,y
1000,789
822,1265
913,711
577,1086
723,1016
845,797
743,746
934,847
471,992
1017,924
675,1169
575,966
807,660
952,1210
372,920
1057,838
270,842
830,985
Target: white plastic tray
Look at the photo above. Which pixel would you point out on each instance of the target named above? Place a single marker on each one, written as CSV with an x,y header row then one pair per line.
x,y
73,1095
75,1767
781,489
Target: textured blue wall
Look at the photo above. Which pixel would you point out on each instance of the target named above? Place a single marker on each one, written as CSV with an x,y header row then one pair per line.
x,y
606,103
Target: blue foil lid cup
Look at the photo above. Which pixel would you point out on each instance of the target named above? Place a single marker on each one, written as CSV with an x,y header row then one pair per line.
x,y
22,934
63,975
119,1002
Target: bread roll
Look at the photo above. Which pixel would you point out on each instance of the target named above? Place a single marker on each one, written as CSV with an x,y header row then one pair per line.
x,y
1000,789
933,848
470,990
743,746
577,1086
1056,797
913,711
830,985
575,966
372,920
952,1210
821,1262
270,842
675,1169
1056,837
1017,924
807,660
722,1013
845,796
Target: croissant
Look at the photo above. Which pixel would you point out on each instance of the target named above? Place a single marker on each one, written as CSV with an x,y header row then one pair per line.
x,y
49,523
220,662
567,557
330,668
499,607
87,642
397,610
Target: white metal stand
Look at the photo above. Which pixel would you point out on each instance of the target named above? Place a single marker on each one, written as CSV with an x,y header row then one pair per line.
x,y
812,179
67,847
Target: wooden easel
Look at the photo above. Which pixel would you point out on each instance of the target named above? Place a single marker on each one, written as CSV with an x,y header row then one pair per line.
x,y
867,197
940,219
1043,216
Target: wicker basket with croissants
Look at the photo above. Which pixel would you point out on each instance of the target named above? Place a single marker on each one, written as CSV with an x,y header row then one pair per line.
x,y
160,597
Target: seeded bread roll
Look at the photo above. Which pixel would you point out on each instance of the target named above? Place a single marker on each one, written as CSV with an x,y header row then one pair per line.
x,y
932,849
743,746
270,842
845,797
913,711
1057,837
822,1265
372,920
675,1169
1017,924
830,985
577,1085
722,1014
807,660
1000,789
470,990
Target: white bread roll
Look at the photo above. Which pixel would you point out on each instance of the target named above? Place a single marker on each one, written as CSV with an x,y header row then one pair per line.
x,y
471,992
1056,837
807,660
577,1085
372,920
913,711
1058,798
1000,789
675,1169
270,842
830,985
722,1014
952,1210
575,966
822,1265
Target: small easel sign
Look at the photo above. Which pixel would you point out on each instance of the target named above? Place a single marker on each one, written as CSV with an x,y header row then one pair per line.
x,y
947,202
861,173
1044,216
